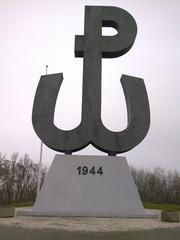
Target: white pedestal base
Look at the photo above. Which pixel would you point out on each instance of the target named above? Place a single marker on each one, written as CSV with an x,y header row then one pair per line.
x,y
72,188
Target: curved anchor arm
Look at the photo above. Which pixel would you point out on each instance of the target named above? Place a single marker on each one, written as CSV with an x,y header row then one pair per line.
x,y
95,133
138,120
43,118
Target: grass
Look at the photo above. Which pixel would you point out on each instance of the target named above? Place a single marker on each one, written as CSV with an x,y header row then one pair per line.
x,y
20,204
18,233
161,206
146,205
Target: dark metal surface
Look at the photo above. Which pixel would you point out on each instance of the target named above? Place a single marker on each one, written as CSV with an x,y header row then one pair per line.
x,y
92,46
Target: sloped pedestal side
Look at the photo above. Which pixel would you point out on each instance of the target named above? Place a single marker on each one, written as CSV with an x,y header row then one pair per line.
x,y
98,186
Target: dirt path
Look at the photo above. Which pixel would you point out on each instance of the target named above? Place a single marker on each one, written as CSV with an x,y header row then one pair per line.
x,y
87,224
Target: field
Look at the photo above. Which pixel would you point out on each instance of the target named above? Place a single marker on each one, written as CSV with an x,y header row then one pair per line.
x,y
145,204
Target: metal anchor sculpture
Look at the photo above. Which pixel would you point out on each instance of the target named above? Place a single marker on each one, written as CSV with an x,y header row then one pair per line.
x,y
92,46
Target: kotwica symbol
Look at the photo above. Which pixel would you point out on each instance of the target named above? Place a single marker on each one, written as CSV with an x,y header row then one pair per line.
x,y
92,47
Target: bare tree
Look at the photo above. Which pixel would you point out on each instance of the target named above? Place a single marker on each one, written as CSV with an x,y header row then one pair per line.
x,y
157,186
18,179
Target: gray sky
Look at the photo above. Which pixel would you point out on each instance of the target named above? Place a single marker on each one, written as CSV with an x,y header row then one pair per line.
x,y
39,32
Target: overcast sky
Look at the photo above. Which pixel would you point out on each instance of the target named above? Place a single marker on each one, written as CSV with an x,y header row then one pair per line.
x,y
34,33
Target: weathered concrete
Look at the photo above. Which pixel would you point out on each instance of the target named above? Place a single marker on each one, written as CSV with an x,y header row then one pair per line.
x,y
6,212
92,46
110,193
170,216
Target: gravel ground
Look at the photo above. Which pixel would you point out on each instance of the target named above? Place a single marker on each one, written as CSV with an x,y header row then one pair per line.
x,y
87,224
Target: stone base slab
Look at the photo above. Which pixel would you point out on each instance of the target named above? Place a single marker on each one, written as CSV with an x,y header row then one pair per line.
x,y
31,212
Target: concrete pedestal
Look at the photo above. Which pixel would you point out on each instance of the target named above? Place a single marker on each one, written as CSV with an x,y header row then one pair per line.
x,y
99,186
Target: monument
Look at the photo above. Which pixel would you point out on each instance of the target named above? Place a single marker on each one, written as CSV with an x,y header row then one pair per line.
x,y
92,185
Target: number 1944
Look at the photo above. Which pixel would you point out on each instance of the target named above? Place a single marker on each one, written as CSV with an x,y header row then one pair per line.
x,y
84,170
